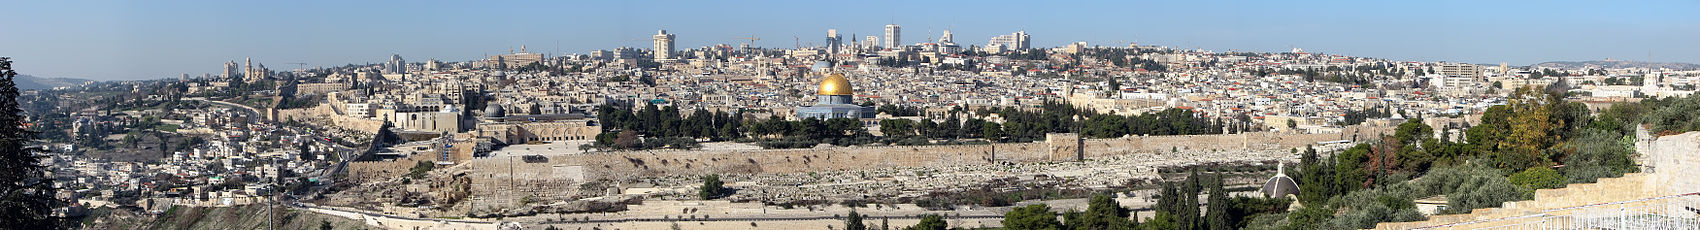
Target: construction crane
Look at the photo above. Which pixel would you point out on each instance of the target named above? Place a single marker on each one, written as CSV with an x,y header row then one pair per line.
x,y
301,65
752,39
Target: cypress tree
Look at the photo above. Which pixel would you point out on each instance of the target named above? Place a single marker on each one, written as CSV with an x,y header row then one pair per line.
x,y
26,190
1216,218
854,221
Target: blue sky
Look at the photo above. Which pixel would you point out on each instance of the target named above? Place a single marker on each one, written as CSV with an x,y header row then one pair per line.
x,y
162,39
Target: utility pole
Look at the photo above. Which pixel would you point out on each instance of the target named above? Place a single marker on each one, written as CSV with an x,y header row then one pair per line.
x,y
271,206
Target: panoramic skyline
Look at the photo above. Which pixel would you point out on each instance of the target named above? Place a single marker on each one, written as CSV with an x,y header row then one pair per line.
x,y
987,115
148,40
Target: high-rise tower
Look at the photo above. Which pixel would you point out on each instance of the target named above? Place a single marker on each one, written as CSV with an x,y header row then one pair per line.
x,y
663,45
833,41
396,65
230,71
893,36
1016,41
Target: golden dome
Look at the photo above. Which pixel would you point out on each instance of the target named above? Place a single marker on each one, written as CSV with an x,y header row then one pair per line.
x,y
835,85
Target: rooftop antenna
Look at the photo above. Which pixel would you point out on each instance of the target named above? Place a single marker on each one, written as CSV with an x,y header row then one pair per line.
x,y
952,23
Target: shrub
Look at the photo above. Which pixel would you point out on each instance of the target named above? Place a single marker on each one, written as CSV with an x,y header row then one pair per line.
x,y
1599,154
1538,178
711,187
1037,216
418,170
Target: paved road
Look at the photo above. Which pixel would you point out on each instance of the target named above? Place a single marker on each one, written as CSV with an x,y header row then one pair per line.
x,y
322,209
315,208
745,219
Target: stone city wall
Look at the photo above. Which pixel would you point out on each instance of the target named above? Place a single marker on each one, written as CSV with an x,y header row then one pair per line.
x,y
380,170
1225,142
627,165
506,178
637,164
325,113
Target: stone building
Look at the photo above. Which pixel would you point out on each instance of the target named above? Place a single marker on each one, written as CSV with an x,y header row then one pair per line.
x,y
499,126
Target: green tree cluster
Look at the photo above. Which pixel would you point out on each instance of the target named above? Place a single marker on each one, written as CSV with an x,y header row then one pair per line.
x,y
1673,115
664,127
1466,188
776,132
1037,216
930,222
1178,205
1513,151
1538,178
419,169
1102,212
1171,121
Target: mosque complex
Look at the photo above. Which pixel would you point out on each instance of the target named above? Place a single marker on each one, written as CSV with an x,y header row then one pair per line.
x,y
834,100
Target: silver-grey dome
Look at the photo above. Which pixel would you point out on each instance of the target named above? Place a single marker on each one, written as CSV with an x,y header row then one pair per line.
x,y
494,110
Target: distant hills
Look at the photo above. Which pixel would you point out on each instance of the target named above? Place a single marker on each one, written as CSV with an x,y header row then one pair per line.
x,y
1618,64
28,82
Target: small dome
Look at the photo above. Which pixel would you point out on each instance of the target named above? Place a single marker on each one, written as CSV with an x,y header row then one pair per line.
x,y
494,110
835,85
821,66
1280,185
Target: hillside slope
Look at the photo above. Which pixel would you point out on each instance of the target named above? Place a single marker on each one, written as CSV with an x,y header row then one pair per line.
x,y
239,217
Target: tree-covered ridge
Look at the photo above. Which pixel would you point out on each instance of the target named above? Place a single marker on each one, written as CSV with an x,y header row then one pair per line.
x,y
1536,141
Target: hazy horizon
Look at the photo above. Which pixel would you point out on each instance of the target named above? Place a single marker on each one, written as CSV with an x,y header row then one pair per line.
x,y
150,40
